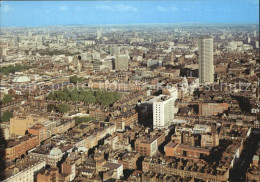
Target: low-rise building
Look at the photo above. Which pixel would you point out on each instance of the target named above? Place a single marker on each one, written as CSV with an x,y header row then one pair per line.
x,y
146,146
24,171
16,148
48,175
209,109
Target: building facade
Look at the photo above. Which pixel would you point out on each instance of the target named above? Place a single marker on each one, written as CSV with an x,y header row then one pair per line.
x,y
121,62
206,66
163,107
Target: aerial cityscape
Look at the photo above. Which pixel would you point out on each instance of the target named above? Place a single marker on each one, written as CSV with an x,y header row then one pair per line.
x,y
129,91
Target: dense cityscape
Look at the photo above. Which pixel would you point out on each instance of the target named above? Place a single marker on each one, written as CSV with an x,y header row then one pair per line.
x,y
131,103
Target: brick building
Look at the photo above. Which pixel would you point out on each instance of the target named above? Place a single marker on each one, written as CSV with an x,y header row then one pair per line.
x,y
146,146
49,175
18,147
209,109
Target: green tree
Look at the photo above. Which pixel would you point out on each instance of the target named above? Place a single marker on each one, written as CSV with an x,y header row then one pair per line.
x,y
74,79
79,120
7,98
87,96
51,107
63,108
6,116
89,99
74,96
60,95
51,96
12,69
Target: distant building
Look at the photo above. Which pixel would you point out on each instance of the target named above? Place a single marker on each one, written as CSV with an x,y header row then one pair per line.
x,y
248,40
206,66
209,109
99,34
100,65
121,62
84,56
114,51
3,52
152,62
256,44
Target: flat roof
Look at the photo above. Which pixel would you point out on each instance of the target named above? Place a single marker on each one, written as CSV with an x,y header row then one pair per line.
x,y
171,144
198,149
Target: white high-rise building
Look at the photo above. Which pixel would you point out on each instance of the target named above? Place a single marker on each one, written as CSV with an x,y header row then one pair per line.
x,y
256,44
163,111
248,40
206,65
99,34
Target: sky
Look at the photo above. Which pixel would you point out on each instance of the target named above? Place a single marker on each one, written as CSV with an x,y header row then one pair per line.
x,y
41,13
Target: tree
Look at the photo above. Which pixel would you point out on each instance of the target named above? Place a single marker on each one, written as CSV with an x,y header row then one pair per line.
x,y
74,96
11,69
63,108
89,99
7,98
51,96
74,79
60,95
50,107
87,96
79,120
6,116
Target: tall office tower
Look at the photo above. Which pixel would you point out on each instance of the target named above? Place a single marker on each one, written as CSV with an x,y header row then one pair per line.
x,y
256,44
163,107
99,34
206,65
255,33
248,40
121,62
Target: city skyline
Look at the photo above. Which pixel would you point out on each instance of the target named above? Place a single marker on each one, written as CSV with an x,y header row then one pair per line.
x,y
40,13
129,91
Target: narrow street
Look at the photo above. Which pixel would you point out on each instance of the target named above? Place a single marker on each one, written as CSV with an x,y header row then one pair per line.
x,y
238,173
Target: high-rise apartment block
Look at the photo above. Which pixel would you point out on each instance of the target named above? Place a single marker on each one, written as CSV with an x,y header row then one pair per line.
x,y
206,66
163,107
